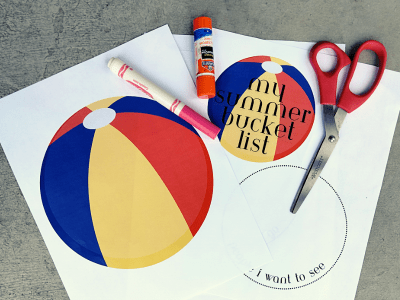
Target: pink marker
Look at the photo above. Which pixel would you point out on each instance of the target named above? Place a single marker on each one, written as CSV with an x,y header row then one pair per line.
x,y
121,69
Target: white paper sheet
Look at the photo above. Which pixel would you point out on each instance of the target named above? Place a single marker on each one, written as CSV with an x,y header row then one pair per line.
x,y
30,118
318,252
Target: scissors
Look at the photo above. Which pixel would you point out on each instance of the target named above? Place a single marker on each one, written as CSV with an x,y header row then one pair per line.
x,y
334,112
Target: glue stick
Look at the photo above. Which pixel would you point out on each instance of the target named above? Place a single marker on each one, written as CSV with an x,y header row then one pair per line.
x,y
204,57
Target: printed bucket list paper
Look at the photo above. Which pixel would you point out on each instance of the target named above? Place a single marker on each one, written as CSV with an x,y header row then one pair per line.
x,y
358,192
132,201
267,88
254,48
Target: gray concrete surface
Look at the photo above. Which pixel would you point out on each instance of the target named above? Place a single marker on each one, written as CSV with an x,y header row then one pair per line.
x,y
39,38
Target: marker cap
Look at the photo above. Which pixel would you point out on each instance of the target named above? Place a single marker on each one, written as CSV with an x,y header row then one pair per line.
x,y
202,22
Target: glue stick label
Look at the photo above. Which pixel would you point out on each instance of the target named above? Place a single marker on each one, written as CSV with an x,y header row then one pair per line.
x,y
203,48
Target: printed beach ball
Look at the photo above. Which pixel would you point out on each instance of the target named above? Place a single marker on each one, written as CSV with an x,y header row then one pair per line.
x,y
125,183
264,107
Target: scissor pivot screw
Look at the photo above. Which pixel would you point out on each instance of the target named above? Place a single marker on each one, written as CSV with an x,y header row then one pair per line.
x,y
332,139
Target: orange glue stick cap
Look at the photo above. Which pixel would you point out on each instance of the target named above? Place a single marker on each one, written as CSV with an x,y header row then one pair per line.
x,y
202,22
205,87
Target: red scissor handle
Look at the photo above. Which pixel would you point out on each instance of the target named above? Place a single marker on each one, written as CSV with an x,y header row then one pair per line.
x,y
328,80
349,101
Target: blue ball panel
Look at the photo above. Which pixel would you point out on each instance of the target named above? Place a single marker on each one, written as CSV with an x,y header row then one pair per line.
x,y
143,105
65,195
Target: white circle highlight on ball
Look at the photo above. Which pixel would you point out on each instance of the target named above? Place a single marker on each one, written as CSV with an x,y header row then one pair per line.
x,y
99,118
272,67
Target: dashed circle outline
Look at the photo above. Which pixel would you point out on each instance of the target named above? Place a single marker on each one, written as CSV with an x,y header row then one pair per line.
x,y
345,237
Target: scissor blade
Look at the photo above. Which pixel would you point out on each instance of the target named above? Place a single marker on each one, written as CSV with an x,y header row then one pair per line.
x,y
318,163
